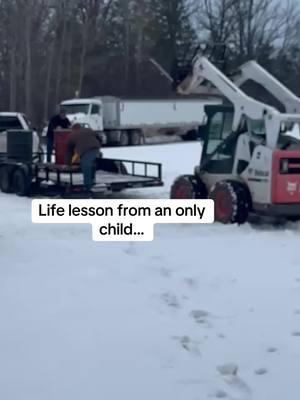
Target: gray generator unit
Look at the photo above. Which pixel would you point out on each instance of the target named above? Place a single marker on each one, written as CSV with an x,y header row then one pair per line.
x,y
19,145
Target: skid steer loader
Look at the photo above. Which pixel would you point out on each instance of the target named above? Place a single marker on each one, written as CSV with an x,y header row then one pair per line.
x,y
249,162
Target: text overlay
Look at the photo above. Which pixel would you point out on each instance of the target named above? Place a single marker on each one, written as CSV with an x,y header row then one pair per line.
x,y
123,220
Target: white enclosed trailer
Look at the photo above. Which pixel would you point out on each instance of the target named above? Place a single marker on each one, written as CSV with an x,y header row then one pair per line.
x,y
126,121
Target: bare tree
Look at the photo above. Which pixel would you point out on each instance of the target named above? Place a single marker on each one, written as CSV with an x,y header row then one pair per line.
x,y
52,48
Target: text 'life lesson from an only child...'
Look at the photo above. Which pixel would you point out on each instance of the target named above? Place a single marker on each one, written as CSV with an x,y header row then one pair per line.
x,y
123,220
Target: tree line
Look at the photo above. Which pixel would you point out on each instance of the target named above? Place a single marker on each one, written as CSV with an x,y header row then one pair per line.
x,y
52,50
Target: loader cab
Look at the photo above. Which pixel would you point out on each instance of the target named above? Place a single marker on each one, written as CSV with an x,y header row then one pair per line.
x,y
221,145
216,158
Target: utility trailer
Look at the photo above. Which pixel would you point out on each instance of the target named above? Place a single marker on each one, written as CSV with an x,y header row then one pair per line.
x,y
27,174
112,175
126,122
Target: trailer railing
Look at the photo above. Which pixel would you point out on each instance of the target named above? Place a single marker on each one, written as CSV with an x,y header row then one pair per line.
x,y
140,169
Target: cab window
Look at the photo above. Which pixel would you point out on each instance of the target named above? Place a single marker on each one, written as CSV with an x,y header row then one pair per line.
x,y
256,126
219,129
95,109
7,123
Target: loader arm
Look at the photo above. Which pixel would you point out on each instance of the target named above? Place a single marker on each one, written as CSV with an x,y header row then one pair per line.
x,y
253,71
244,106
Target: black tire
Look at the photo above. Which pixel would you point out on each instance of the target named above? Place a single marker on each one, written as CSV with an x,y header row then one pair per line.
x,y
124,139
135,138
232,202
188,187
6,179
21,182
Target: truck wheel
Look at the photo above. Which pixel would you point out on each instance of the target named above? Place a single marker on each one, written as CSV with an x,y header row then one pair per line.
x,y
135,138
232,202
124,139
188,187
6,179
21,182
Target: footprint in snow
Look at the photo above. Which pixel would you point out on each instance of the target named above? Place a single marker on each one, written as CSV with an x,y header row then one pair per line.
x,y
189,345
261,371
171,300
237,388
201,317
296,333
272,349
228,369
191,283
220,394
221,336
297,312
165,272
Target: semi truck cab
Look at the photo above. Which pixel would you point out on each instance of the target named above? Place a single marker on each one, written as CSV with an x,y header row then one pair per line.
x,y
86,112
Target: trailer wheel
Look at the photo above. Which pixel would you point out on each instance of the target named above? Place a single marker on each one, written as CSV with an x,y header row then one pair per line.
x,y
135,138
188,187
124,139
232,202
21,182
6,179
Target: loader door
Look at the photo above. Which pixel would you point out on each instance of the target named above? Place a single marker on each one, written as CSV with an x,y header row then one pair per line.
x,y
218,149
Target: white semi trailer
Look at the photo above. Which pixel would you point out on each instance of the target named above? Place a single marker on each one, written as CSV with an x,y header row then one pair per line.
x,y
127,122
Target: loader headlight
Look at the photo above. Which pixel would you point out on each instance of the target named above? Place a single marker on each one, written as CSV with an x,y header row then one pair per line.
x,y
284,166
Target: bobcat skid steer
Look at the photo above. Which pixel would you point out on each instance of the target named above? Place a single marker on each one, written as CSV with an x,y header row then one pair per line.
x,y
249,162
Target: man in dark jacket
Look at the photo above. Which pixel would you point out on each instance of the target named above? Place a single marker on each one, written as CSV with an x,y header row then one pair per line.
x,y
86,144
58,121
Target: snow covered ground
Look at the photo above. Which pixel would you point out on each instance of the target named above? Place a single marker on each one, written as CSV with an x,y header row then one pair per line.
x,y
203,312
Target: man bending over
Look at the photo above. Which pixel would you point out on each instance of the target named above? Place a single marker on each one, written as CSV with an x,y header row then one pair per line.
x,y
86,144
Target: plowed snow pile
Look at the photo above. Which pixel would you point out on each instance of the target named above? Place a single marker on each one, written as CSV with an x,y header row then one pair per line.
x,y
203,312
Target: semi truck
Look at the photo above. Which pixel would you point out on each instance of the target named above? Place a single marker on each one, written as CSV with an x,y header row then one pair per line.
x,y
126,122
